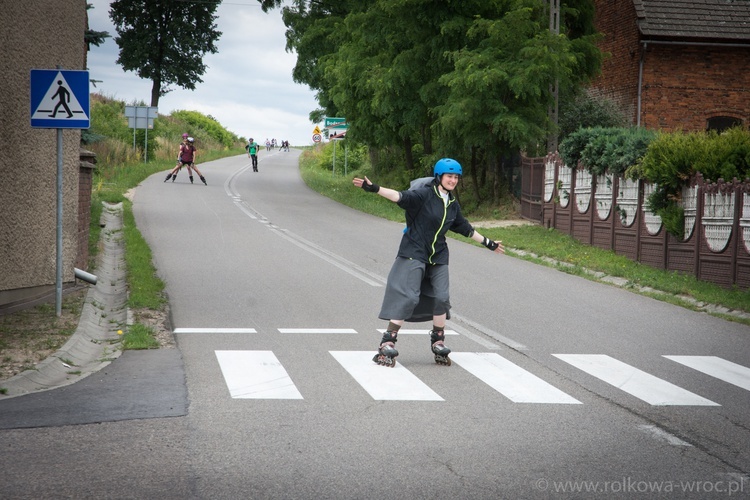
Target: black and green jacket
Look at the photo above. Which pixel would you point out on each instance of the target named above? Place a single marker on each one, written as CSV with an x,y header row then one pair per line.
x,y
428,218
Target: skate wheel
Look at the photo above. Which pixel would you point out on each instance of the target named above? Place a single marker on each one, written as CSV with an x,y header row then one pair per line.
x,y
443,360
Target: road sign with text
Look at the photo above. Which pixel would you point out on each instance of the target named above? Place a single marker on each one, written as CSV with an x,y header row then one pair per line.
x,y
332,123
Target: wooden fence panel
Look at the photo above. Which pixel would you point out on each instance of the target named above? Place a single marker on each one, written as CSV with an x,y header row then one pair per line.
x,y
612,213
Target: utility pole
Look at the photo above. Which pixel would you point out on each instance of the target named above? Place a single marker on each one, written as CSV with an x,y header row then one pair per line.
x,y
554,27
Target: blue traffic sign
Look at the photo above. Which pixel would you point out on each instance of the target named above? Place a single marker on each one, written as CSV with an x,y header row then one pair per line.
x,y
59,98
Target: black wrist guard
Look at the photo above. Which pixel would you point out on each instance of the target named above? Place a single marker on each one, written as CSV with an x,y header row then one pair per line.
x,y
492,245
370,187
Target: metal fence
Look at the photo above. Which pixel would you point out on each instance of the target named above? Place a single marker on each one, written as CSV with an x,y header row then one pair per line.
x,y
611,212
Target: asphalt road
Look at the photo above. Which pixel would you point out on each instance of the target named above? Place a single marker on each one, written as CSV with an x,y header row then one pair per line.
x,y
560,387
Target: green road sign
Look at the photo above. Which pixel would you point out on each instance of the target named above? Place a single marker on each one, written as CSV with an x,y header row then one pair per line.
x,y
335,123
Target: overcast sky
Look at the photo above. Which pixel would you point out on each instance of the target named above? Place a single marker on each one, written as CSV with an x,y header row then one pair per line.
x,y
247,85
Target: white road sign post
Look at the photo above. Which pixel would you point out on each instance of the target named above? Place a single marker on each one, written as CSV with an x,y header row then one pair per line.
x,y
141,117
336,124
59,99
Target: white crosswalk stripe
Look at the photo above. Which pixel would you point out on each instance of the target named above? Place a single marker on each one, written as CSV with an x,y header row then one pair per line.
x,y
510,380
318,330
215,330
256,375
382,383
260,375
635,382
716,367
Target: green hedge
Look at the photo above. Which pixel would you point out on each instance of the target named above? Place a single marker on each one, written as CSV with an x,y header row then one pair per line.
x,y
601,149
668,160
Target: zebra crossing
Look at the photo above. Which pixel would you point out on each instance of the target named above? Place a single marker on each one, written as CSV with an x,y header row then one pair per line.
x,y
258,374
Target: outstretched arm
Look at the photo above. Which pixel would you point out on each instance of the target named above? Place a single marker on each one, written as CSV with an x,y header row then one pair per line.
x,y
495,246
387,193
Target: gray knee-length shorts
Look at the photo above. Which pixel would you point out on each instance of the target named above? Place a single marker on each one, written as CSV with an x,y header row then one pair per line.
x,y
416,291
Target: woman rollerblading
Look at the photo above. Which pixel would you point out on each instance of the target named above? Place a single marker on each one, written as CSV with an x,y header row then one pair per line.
x,y
417,287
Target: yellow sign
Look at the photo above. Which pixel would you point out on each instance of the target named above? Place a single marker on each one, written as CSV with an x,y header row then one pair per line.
x,y
317,130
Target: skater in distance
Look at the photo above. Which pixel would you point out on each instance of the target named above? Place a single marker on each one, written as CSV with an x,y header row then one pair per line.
x,y
418,286
252,152
186,157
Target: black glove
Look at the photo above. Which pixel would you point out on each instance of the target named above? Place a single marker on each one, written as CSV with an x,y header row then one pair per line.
x,y
370,187
492,245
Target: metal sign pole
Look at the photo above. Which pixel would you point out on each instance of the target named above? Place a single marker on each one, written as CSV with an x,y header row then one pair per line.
x,y
59,239
145,140
50,89
334,158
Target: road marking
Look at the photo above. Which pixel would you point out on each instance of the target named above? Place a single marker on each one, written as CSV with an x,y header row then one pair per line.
x,y
336,260
663,435
489,332
717,367
317,330
256,375
345,265
404,331
635,382
381,382
215,330
509,379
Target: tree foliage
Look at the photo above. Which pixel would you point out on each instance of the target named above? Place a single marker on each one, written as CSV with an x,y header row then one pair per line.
x,y
93,37
165,40
469,79
211,128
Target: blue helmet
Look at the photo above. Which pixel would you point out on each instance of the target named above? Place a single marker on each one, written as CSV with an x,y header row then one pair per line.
x,y
447,166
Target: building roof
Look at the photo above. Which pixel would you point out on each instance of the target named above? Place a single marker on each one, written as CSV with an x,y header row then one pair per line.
x,y
723,21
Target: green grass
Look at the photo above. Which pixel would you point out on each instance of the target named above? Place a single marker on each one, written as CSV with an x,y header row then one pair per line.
x,y
145,288
139,336
549,247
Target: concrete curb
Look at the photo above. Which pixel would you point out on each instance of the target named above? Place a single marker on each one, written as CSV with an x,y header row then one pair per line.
x,y
95,343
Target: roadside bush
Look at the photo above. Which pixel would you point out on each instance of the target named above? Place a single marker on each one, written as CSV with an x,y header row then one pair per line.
x,y
321,157
212,128
674,158
600,149
587,111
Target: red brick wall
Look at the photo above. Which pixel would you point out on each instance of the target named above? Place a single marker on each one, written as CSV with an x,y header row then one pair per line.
x,y
616,20
85,184
683,86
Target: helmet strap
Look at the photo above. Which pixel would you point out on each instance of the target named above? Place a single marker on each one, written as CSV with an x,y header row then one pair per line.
x,y
439,179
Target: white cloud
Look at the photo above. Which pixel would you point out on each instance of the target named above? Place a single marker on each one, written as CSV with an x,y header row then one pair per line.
x,y
247,85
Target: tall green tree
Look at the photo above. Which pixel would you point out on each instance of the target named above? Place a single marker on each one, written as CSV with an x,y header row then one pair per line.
x,y
498,91
93,37
165,40
469,79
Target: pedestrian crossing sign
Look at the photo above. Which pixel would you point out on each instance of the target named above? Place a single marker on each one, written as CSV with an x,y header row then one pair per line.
x,y
59,98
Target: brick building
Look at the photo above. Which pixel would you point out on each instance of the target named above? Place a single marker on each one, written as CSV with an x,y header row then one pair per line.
x,y
676,64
